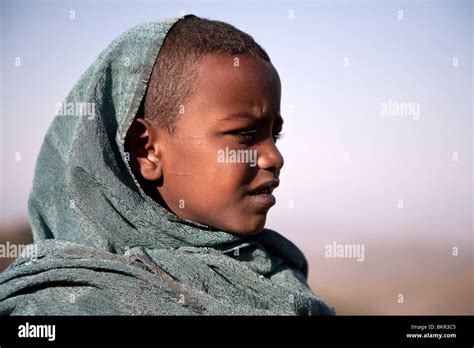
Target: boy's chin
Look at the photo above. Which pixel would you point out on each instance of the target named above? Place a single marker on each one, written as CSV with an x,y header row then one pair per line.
x,y
246,226
241,224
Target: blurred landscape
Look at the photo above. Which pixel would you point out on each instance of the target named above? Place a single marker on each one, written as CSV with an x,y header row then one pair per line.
x,y
429,286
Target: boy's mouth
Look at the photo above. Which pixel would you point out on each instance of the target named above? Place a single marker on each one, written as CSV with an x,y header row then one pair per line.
x,y
262,194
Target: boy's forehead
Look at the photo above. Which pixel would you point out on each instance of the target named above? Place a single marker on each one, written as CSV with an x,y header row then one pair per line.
x,y
256,116
240,66
245,87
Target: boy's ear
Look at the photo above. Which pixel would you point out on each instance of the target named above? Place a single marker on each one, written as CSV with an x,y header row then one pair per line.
x,y
142,145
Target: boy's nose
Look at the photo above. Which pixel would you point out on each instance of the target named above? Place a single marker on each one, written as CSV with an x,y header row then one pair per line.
x,y
269,157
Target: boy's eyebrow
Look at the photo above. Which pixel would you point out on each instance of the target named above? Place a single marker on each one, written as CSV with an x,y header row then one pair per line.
x,y
244,114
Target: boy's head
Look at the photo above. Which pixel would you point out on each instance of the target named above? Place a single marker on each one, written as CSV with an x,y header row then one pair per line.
x,y
203,144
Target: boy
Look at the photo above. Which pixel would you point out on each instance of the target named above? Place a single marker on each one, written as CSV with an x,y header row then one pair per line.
x,y
157,204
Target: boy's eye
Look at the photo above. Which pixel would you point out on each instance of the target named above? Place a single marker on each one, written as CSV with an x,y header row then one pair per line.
x,y
277,136
246,134
250,134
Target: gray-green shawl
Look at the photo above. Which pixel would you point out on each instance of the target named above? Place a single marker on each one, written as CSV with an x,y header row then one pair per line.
x,y
104,247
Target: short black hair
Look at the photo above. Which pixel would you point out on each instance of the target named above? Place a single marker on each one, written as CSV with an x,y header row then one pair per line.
x,y
174,76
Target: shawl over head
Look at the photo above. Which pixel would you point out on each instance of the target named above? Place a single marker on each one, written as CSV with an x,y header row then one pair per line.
x,y
102,246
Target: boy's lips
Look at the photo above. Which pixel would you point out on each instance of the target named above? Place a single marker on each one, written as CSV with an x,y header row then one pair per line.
x,y
262,194
265,200
266,187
